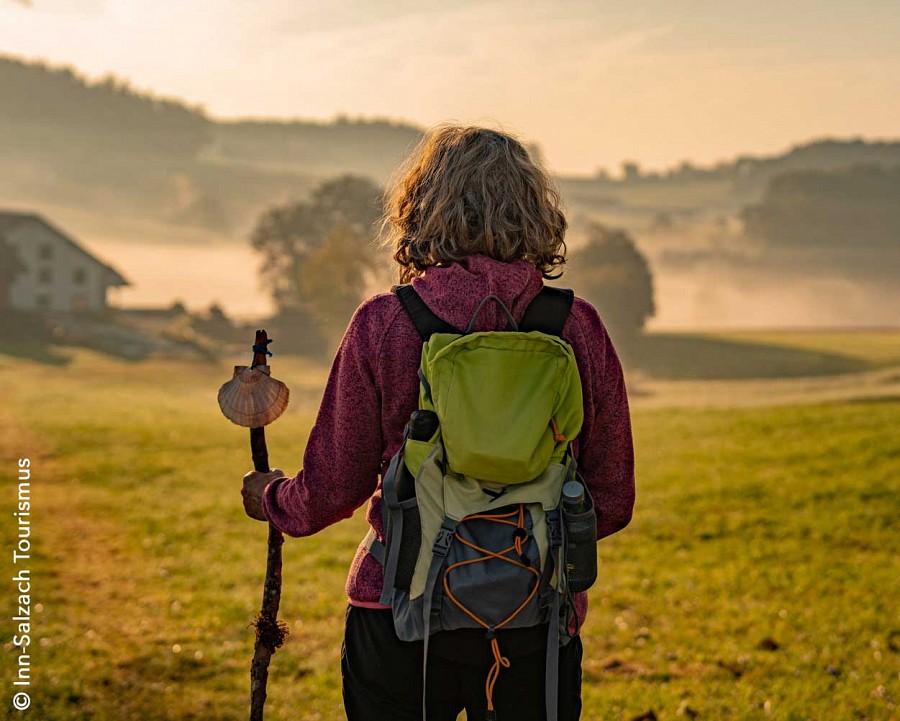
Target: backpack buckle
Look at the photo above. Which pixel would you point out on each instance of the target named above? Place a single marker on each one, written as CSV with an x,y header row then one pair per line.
x,y
444,539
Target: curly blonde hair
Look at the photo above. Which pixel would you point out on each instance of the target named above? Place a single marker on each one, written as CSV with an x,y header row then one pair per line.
x,y
467,190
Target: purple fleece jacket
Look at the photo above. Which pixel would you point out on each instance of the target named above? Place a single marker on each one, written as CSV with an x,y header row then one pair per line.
x,y
373,387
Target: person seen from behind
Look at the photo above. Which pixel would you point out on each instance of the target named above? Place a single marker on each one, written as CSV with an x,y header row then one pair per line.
x,y
471,214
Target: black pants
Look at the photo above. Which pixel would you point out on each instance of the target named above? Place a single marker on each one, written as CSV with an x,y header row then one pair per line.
x,y
382,675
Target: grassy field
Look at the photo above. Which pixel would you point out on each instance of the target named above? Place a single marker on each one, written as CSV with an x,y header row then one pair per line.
x,y
759,354
758,579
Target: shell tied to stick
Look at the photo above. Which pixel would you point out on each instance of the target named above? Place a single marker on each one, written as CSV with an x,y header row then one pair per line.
x,y
252,398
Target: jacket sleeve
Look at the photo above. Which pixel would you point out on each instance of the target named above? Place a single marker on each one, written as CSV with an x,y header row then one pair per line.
x,y
605,450
343,455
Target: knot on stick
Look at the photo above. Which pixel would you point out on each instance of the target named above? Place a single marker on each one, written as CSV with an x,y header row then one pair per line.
x,y
269,631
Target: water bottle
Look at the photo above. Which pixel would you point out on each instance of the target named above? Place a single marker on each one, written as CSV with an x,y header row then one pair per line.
x,y
422,425
581,537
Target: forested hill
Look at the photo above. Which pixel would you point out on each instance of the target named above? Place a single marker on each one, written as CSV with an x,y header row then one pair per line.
x,y
103,146
734,183
371,147
58,106
47,109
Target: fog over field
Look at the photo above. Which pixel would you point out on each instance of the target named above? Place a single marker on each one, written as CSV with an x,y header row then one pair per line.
x,y
712,292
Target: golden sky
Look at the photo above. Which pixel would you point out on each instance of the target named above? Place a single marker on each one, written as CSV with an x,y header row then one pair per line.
x,y
594,83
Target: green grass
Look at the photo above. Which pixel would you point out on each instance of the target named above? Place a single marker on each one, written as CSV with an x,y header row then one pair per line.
x,y
877,348
758,579
759,354
750,526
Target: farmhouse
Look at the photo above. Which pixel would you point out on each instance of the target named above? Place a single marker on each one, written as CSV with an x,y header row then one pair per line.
x,y
57,274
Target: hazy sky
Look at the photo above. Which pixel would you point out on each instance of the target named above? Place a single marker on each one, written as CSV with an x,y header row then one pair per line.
x,y
594,83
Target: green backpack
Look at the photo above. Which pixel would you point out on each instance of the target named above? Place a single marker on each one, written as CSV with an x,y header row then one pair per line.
x,y
473,531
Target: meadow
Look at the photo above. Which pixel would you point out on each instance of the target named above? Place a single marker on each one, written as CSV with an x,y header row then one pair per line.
x,y
758,579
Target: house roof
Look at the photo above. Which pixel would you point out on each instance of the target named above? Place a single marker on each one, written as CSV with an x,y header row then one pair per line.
x,y
12,219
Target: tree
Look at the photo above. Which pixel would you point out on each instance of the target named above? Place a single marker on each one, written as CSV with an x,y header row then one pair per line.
x,y
614,276
317,253
334,274
631,171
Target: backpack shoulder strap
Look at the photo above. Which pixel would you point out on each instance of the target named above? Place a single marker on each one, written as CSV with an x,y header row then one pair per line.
x,y
548,311
426,322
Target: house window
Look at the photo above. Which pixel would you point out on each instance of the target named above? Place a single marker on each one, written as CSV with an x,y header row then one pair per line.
x,y
42,300
45,252
45,275
79,276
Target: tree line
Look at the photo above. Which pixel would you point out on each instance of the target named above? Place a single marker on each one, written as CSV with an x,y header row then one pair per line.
x,y
856,207
45,105
109,112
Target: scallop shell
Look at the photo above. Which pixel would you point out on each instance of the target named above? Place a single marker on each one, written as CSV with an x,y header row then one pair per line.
x,y
253,398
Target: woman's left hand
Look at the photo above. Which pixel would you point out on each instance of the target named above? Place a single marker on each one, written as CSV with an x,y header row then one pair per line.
x,y
254,485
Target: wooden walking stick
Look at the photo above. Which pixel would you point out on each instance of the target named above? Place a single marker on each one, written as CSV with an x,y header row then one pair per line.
x,y
253,399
